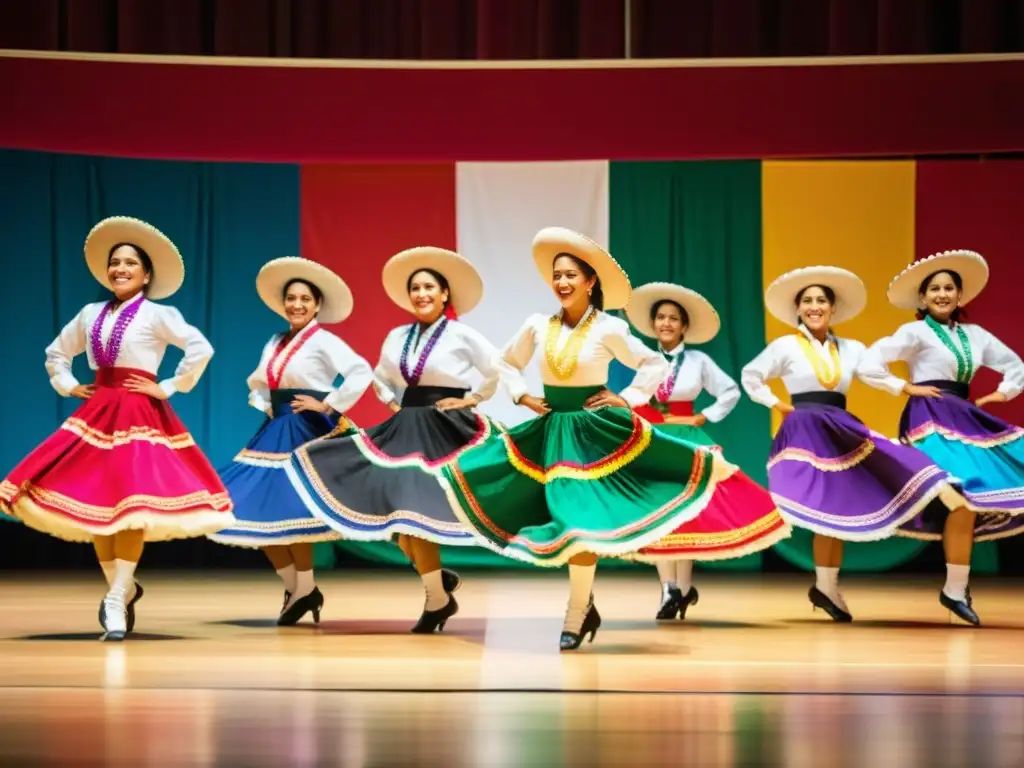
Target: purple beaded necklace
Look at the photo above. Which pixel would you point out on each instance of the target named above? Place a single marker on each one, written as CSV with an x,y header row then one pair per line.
x,y
414,378
106,355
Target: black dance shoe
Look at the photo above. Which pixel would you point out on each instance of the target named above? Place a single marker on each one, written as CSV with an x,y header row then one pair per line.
x,y
287,597
962,609
820,600
435,620
570,641
450,580
670,605
130,610
314,602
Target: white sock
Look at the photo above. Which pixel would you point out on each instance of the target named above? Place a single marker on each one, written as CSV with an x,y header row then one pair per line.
x,y
304,584
108,571
827,581
123,582
581,587
667,574
956,581
684,575
437,598
287,575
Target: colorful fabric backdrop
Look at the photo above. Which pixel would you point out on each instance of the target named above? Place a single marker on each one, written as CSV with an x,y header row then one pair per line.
x,y
725,229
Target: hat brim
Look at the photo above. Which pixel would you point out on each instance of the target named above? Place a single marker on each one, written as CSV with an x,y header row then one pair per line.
x,y
552,241
851,294
168,267
336,303
465,287
904,290
704,323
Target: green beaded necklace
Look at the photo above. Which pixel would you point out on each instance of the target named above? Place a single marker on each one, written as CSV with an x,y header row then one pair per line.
x,y
964,361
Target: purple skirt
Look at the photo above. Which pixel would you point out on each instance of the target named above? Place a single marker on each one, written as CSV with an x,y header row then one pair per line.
x,y
832,475
983,454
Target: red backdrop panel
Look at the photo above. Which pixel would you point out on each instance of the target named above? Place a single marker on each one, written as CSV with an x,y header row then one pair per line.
x,y
354,218
980,206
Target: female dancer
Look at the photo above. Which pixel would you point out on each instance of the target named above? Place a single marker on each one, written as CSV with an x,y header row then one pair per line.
x,y
827,472
588,477
93,479
741,517
983,452
381,481
294,385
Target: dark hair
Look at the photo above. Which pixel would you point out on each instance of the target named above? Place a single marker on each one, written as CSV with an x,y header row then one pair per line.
x,y
442,282
313,288
597,294
829,294
682,312
147,263
959,314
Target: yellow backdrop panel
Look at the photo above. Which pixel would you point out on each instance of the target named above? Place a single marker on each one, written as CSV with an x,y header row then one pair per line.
x,y
858,215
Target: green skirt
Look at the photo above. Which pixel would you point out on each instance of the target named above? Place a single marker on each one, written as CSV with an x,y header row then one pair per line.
x,y
573,481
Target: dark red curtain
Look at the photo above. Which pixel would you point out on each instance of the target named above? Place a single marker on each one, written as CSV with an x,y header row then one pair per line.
x,y
514,29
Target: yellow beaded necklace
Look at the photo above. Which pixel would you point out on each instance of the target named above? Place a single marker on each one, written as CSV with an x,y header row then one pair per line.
x,y
563,364
827,379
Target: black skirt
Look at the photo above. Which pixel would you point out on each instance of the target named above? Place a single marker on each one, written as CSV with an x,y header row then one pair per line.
x,y
382,481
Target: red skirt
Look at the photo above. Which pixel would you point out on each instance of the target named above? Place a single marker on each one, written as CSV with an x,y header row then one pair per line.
x,y
740,519
121,461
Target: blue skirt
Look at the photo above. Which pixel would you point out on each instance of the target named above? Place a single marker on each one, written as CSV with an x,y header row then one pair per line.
x,y
268,511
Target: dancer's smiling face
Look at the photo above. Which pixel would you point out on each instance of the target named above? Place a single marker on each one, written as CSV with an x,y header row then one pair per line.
x,y
429,295
670,323
815,306
302,302
129,271
940,295
571,279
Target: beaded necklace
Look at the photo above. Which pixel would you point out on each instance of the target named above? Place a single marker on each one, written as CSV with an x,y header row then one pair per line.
x,y
563,364
964,360
412,379
105,355
274,379
827,379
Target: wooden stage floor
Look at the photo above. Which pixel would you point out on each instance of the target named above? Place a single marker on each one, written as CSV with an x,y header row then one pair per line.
x,y
751,678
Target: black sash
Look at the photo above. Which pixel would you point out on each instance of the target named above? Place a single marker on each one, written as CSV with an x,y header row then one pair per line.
x,y
957,388
280,399
835,399
424,397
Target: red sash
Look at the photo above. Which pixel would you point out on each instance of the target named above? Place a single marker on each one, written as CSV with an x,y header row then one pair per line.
x,y
678,408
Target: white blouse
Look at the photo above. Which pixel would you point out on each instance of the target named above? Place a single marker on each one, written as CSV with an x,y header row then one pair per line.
x,y
608,338
698,373
143,347
930,360
315,365
784,359
460,353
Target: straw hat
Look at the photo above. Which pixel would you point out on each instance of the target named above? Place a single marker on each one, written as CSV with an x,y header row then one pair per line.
x,y
704,322
851,295
168,268
336,303
465,288
971,266
551,241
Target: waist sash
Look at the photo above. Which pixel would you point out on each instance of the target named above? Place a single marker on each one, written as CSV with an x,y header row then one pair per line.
x,y
805,399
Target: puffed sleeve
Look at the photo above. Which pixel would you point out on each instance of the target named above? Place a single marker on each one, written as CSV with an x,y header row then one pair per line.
x,y
342,359
484,357
651,368
1002,359
722,387
70,343
754,378
385,386
873,368
170,327
516,356
259,387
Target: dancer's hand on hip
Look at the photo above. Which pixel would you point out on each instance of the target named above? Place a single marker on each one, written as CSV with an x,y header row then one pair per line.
x,y
308,403
535,404
605,398
84,391
995,397
453,403
140,385
916,390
